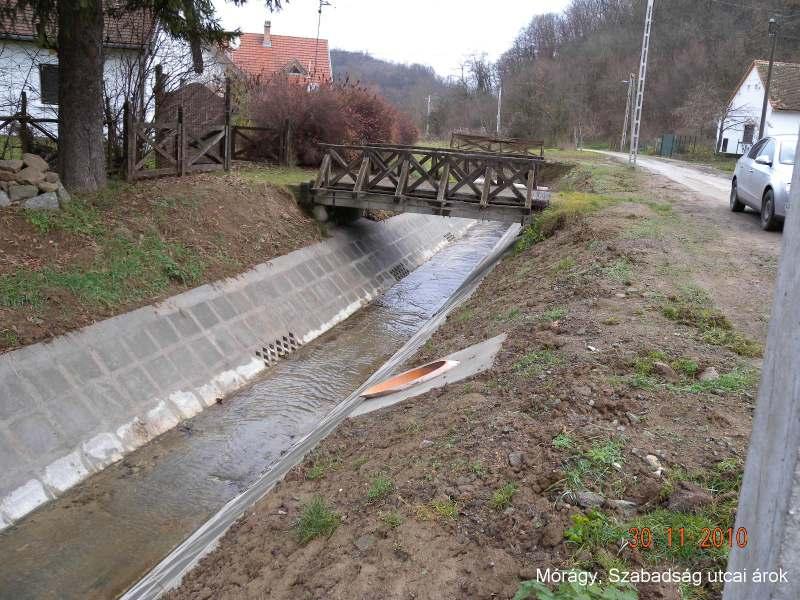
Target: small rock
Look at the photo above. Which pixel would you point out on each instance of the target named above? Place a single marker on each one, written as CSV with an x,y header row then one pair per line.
x,y
365,542
51,177
47,201
552,534
7,176
34,161
46,186
426,444
689,497
626,507
12,165
30,176
589,499
515,459
653,461
4,200
620,295
21,192
583,390
709,374
63,195
667,372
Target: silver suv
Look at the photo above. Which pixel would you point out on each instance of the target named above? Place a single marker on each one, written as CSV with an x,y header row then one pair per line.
x,y
763,178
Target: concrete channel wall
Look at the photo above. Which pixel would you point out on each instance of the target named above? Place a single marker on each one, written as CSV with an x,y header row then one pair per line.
x,y
74,405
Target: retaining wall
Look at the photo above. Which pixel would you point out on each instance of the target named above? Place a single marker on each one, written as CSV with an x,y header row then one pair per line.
x,y
74,405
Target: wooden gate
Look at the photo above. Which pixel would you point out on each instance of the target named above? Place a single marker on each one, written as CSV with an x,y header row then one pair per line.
x,y
158,148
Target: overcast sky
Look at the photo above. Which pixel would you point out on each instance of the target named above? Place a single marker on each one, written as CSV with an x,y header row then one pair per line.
x,y
439,33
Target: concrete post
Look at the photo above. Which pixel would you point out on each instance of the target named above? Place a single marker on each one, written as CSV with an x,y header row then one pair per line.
x,y
769,502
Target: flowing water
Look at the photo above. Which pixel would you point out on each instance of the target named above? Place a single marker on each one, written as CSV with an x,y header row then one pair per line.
x,y
100,537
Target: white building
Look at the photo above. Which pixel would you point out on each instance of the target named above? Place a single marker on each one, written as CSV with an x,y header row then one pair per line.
x,y
739,129
26,66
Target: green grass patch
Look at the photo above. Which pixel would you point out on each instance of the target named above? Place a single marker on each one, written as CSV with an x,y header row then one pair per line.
x,y
554,314
76,217
123,272
737,380
574,590
593,468
734,341
511,314
478,469
620,271
379,487
281,176
392,519
316,519
321,466
565,264
502,497
563,442
445,509
687,366
536,362
464,315
565,208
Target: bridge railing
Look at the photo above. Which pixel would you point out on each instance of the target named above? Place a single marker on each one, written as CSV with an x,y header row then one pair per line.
x,y
430,180
493,144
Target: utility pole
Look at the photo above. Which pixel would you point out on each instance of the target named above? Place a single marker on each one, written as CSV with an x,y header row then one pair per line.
x,y
499,105
428,119
773,33
631,82
637,113
319,24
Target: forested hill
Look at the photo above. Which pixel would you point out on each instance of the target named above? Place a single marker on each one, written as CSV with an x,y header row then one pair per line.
x,y
566,70
405,86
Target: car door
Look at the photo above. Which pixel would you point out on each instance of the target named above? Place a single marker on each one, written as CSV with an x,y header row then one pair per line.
x,y
762,173
745,180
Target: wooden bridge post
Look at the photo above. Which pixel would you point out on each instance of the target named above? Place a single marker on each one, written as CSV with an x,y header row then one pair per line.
x,y
181,144
25,141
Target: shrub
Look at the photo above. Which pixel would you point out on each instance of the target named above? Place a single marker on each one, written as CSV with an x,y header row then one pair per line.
x,y
335,113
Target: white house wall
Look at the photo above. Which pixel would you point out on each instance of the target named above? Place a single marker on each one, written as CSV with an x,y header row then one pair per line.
x,y
19,71
746,108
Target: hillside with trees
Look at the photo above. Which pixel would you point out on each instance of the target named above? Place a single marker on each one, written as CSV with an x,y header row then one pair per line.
x,y
564,72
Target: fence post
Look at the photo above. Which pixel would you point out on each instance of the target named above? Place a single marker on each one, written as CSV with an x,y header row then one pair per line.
x,y
226,144
25,141
129,141
181,144
287,145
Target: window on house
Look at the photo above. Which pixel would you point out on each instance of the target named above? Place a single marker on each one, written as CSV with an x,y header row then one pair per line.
x,y
749,132
295,71
48,84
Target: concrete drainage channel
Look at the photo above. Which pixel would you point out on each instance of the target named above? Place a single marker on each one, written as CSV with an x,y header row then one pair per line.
x,y
170,571
73,406
101,535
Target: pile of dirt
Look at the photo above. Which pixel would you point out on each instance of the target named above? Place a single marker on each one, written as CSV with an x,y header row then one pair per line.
x,y
134,244
601,413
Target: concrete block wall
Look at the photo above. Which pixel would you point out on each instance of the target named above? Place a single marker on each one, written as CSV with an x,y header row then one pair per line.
x,y
76,404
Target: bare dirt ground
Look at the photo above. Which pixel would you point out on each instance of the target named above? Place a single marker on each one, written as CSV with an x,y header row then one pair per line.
x,y
622,398
135,244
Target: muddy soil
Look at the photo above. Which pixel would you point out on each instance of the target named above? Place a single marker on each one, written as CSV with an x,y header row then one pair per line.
x,y
596,408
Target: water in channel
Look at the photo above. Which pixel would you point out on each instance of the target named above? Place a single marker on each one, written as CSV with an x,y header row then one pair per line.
x,y
99,538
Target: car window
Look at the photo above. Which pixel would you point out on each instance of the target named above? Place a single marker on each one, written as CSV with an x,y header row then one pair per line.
x,y
787,152
769,150
756,148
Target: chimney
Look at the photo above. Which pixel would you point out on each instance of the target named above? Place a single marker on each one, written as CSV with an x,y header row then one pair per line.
x,y
267,43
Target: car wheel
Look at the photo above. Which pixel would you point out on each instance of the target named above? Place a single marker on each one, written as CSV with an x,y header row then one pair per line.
x,y
736,204
769,222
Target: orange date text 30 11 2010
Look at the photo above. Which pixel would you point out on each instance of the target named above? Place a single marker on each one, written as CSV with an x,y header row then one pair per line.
x,y
709,538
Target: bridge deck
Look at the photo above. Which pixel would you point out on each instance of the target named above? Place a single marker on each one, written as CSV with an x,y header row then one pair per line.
x,y
431,180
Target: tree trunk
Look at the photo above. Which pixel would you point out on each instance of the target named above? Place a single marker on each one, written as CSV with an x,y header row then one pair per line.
x,y
82,163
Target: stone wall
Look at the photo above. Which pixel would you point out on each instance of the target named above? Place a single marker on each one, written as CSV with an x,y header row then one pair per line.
x,y
30,183
76,404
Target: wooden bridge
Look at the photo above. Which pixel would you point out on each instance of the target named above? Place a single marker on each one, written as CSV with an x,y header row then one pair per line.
x,y
438,181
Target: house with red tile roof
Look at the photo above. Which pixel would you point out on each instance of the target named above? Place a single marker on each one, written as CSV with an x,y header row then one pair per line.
x,y
307,60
